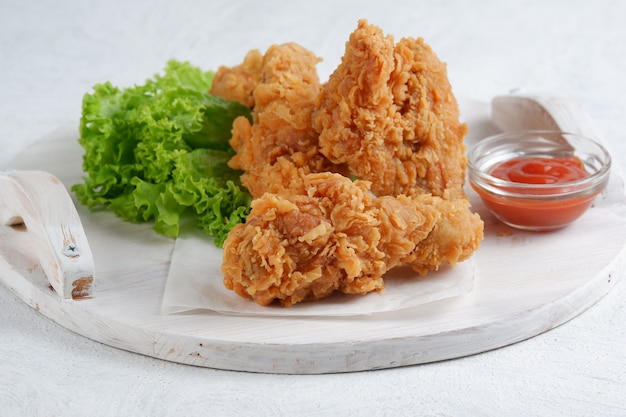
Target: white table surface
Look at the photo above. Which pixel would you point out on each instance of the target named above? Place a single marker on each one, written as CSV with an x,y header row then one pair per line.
x,y
52,52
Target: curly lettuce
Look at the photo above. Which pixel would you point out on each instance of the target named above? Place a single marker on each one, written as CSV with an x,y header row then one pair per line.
x,y
159,151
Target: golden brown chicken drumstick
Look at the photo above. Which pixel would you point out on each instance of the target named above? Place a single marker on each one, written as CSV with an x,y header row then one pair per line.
x,y
388,112
330,234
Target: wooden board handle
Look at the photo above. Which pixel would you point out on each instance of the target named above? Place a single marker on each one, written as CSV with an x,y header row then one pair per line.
x,y
524,111
39,202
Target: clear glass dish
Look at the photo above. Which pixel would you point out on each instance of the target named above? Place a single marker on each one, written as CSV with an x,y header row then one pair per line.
x,y
538,207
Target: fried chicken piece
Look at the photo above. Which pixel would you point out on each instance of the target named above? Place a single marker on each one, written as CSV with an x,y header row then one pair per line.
x,y
284,97
237,83
322,236
455,238
389,113
331,234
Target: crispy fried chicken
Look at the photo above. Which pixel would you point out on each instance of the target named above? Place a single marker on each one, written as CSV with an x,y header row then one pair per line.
x,y
237,83
283,90
388,112
330,234
388,115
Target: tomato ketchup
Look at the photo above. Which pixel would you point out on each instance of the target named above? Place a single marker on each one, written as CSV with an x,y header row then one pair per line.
x,y
539,170
538,208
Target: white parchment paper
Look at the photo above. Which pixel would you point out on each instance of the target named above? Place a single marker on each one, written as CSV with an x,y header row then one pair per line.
x,y
195,283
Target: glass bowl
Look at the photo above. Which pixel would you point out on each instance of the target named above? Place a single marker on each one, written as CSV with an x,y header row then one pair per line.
x,y
538,206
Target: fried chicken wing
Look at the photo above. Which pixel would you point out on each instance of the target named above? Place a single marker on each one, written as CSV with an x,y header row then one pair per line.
x,y
284,90
328,235
389,113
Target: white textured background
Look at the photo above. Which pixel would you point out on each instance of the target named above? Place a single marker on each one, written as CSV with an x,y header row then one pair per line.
x,y
52,52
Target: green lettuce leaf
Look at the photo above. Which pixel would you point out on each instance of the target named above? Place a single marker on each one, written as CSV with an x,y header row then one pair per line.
x,y
159,151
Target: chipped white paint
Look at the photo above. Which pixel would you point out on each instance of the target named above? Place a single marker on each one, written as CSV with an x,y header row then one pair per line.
x,y
37,204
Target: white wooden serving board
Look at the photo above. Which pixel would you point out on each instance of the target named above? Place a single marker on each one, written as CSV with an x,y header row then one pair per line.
x,y
525,284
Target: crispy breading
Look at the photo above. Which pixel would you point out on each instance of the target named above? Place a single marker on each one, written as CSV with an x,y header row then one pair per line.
x,y
284,97
455,238
389,113
237,83
330,234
